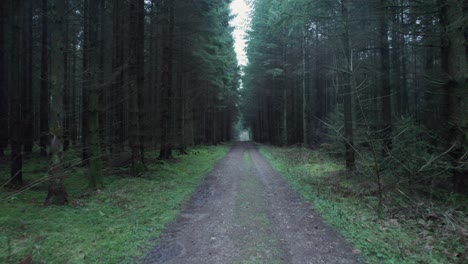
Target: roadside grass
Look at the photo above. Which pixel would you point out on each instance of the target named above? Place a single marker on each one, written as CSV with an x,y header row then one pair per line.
x,y
433,234
112,225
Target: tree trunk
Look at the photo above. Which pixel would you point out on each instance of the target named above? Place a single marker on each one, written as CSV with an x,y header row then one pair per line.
x,y
181,115
455,66
57,193
140,81
385,90
15,91
44,91
167,82
74,97
135,82
396,59
118,69
27,100
94,90
305,118
101,75
85,86
404,82
66,84
347,100
3,82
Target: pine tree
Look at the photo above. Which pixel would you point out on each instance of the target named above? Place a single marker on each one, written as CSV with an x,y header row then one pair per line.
x,y
15,88
454,65
136,83
44,90
57,193
3,82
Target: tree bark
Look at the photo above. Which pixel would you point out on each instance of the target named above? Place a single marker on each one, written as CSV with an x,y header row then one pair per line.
x,y
3,82
385,90
396,59
454,64
26,97
66,82
94,90
44,90
74,93
118,69
15,92
135,84
85,86
404,80
142,105
57,193
347,83
167,130
305,118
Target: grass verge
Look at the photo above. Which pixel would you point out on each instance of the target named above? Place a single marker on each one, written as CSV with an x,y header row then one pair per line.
x,y
113,225
349,207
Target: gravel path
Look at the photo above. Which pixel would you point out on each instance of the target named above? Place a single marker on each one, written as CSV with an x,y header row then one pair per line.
x,y
245,212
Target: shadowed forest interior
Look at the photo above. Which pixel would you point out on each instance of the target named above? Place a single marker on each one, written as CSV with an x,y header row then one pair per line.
x,y
362,103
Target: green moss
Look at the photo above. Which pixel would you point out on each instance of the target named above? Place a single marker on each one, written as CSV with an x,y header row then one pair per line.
x,y
339,201
113,225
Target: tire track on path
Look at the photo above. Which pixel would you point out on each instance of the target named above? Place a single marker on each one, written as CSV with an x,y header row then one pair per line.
x,y
244,212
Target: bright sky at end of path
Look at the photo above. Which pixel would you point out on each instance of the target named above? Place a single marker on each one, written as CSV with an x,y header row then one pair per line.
x,y
241,23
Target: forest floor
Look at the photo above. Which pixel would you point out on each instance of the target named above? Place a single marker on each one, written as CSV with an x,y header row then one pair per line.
x,y
114,224
245,212
417,223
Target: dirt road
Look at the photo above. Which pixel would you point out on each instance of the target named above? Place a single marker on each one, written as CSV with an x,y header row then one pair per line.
x,y
245,212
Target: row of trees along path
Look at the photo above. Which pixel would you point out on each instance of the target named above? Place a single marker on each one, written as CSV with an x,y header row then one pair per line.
x,y
112,77
357,69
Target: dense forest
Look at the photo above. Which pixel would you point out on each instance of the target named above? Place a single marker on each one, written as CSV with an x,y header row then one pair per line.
x,y
379,81
113,77
122,123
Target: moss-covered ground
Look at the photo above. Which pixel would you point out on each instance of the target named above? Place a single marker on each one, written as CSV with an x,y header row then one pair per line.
x,y
411,230
113,225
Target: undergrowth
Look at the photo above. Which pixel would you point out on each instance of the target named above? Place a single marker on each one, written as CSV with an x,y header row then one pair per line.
x,y
413,229
112,225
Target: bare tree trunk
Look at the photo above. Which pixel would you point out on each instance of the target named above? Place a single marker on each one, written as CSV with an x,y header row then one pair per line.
x,y
57,193
94,90
455,66
385,92
74,97
15,90
347,100
3,82
140,81
167,82
285,123
181,111
305,118
135,82
66,82
44,91
27,102
100,72
85,86
321,104
396,58
404,82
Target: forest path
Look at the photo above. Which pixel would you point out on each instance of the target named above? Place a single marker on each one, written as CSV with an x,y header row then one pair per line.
x,y
245,212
